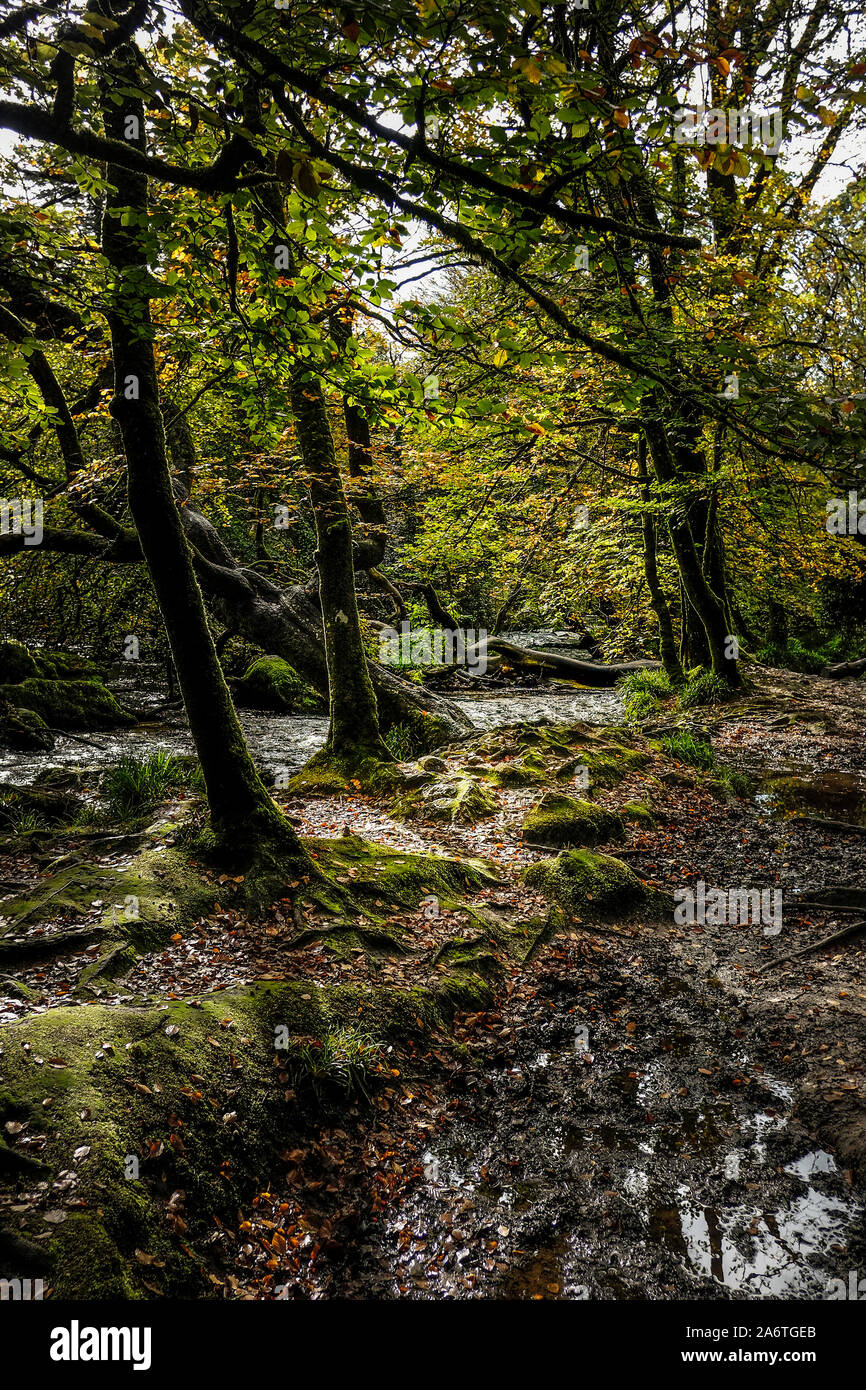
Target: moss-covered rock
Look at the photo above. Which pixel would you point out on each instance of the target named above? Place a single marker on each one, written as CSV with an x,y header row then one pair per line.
x,y
23,730
69,704
562,820
457,800
527,771
269,683
19,663
325,775
586,883
638,812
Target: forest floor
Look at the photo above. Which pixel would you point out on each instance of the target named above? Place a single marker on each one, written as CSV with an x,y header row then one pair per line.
x,y
636,1109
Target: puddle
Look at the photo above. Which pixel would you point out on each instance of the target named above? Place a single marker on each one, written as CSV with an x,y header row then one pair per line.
x,y
831,795
663,1188
766,1253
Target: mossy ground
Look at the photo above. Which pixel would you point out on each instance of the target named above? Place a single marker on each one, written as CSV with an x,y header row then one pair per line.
x,y
198,1105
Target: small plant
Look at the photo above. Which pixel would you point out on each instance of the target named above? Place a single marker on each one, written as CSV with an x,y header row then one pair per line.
x,y
740,783
400,742
703,688
345,1058
136,785
683,747
18,821
644,691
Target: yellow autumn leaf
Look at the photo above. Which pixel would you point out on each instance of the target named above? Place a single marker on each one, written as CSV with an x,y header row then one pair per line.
x,y
529,68
500,358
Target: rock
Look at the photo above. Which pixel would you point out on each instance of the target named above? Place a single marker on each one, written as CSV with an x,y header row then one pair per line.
x,y
562,820
51,808
68,704
270,683
67,779
16,663
587,883
24,730
455,799
432,764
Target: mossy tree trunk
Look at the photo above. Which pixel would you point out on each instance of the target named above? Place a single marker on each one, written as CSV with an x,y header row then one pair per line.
x,y
354,722
242,812
667,638
667,450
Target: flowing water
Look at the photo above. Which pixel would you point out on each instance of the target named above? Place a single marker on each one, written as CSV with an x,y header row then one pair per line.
x,y
286,742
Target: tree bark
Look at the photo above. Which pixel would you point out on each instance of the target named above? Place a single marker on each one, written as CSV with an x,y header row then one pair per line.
x,y
667,638
561,667
241,809
354,719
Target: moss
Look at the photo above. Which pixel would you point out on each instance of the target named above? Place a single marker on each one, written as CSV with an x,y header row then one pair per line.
x,y
587,883
325,775
466,993
69,704
13,989
523,772
86,1258
122,1086
460,954
16,663
24,730
270,683
638,811
397,877
142,907
457,800
561,820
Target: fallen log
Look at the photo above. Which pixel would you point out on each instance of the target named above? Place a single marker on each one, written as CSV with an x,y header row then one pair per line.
x,y
564,668
845,668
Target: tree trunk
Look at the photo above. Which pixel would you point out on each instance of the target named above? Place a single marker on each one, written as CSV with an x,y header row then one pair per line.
x,y
288,623
242,812
667,639
354,728
706,605
564,668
